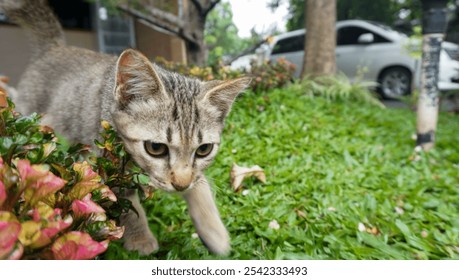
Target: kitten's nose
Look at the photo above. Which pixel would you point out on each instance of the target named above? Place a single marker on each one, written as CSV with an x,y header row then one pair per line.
x,y
181,179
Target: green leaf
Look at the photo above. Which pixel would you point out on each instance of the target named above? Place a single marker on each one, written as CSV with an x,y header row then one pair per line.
x,y
403,228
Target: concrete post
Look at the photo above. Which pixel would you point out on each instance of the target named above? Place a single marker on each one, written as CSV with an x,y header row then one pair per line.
x,y
433,29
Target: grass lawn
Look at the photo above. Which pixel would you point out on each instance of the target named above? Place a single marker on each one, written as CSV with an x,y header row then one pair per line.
x,y
344,182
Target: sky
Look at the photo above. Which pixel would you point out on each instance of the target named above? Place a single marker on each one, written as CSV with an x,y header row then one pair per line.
x,y
250,13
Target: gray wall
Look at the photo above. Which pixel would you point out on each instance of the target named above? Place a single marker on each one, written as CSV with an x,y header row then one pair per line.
x,y
15,50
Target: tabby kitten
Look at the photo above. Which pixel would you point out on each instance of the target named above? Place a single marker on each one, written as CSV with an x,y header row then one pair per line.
x,y
169,123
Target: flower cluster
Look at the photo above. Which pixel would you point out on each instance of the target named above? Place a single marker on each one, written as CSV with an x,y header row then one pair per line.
x,y
271,75
45,216
53,205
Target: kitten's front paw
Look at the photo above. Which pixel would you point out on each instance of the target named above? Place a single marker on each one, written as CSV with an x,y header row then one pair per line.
x,y
145,244
217,242
222,249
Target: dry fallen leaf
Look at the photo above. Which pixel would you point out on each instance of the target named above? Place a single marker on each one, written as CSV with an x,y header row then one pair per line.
x,y
46,129
300,213
239,173
399,210
373,230
149,193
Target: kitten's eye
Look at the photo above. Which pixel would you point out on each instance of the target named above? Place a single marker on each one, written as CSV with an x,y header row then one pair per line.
x,y
204,150
156,149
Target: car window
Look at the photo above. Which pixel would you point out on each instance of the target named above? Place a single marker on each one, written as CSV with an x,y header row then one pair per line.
x,y
291,44
349,36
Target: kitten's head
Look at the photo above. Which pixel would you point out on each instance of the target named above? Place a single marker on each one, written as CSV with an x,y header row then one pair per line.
x,y
169,123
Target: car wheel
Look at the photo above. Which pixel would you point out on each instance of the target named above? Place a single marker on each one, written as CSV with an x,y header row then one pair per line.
x,y
395,83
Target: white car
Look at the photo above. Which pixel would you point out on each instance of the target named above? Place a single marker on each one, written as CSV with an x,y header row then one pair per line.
x,y
374,52
243,62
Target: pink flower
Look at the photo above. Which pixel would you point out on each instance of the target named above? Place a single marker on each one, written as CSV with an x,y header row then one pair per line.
x,y
77,245
85,172
9,234
29,172
47,234
88,181
86,206
38,183
46,224
107,193
110,231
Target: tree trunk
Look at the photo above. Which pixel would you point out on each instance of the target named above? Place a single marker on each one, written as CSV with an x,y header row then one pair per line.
x,y
320,39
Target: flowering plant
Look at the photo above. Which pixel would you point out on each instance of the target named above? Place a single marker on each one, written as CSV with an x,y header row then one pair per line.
x,y
53,205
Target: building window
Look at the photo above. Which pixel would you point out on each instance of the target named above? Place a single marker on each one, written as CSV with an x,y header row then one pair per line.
x,y
73,14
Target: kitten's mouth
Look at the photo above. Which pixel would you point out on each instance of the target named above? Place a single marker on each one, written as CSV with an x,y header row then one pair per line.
x,y
158,185
180,188
170,188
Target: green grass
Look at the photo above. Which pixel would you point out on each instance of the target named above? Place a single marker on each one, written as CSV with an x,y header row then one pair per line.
x,y
329,166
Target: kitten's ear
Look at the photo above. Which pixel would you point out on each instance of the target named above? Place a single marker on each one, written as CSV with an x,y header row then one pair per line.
x,y
221,94
136,78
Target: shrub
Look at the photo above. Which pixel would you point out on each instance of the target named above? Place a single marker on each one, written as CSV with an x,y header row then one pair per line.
x,y
53,205
266,76
335,88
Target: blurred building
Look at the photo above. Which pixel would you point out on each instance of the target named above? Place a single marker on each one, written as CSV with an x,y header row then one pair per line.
x,y
93,27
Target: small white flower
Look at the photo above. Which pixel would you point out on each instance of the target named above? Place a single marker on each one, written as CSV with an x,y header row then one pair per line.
x,y
245,192
399,210
414,136
233,151
424,233
274,225
194,235
418,149
362,227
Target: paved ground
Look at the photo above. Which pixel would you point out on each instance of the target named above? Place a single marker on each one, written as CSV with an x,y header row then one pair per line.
x,y
446,104
394,104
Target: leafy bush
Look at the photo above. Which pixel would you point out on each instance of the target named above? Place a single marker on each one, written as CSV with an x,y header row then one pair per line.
x,y
204,73
338,87
270,75
265,76
52,204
